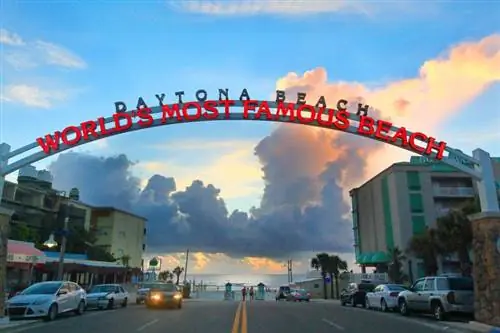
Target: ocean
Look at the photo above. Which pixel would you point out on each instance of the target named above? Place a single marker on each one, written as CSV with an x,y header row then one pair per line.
x,y
270,280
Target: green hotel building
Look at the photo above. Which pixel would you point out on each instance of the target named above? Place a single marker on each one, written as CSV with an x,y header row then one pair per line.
x,y
402,201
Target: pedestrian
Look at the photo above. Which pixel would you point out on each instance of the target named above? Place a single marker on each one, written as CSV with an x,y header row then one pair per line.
x,y
251,293
243,293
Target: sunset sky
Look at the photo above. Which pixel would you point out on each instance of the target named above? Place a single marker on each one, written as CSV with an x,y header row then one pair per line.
x,y
431,66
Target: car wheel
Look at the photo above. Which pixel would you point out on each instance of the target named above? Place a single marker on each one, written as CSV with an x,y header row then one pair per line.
x,y
80,309
403,307
124,304
111,304
353,303
52,314
438,311
383,305
367,303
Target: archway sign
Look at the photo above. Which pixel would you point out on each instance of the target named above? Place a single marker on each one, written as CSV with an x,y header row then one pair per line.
x,y
280,110
486,226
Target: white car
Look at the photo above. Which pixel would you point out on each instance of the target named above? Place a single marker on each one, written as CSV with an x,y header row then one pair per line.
x,y
47,300
384,297
107,296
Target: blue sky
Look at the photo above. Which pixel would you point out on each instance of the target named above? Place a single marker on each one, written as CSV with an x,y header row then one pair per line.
x,y
75,59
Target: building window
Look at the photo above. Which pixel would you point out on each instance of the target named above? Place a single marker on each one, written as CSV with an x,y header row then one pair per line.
x,y
418,224
144,247
416,203
144,231
413,180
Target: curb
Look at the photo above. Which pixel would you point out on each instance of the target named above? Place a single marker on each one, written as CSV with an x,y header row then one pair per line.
x,y
13,325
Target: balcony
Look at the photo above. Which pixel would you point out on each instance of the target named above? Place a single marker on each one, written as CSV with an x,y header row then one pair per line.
x,y
453,192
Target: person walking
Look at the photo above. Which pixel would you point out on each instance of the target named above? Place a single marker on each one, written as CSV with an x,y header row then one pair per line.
x,y
243,293
251,293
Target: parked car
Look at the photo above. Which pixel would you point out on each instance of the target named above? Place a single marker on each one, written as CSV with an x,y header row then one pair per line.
x,y
298,295
163,295
47,300
106,296
355,294
282,292
384,297
439,295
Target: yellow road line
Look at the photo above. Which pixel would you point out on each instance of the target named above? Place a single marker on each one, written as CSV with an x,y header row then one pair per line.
x,y
236,322
244,318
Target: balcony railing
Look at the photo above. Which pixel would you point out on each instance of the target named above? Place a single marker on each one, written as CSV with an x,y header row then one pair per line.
x,y
457,192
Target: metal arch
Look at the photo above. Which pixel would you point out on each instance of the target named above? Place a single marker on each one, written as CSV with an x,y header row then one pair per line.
x,y
456,161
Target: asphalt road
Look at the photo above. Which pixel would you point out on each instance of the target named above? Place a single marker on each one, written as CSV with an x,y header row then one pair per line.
x,y
239,317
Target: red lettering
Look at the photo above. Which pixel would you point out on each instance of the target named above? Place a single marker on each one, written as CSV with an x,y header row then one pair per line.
x,y
117,117
306,120
190,105
211,110
264,108
89,128
167,111
417,136
146,119
227,103
402,135
383,127
51,142
439,147
248,105
67,132
366,126
285,109
342,122
322,122
102,127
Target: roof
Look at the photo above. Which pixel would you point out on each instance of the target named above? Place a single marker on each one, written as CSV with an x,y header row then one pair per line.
x,y
23,248
109,208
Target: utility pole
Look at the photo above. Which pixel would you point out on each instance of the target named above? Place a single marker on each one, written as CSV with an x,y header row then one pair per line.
x,y
186,266
289,269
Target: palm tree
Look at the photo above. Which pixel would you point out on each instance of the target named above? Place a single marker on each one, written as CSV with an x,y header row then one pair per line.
x,y
395,272
426,246
164,275
178,271
334,266
319,263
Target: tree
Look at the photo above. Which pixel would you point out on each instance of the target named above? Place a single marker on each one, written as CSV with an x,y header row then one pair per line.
x,y
334,266
98,253
395,272
178,271
164,275
455,233
320,262
24,233
125,259
426,246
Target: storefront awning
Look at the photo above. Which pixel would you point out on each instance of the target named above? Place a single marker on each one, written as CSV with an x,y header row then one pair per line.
x,y
24,252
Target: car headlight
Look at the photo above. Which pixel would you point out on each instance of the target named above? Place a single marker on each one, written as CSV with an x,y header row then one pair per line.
x,y
155,297
177,296
41,301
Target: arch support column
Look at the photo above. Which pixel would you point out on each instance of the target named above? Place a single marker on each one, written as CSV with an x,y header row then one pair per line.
x,y
486,271
5,215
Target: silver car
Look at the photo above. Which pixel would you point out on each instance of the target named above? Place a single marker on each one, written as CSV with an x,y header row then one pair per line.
x,y
439,295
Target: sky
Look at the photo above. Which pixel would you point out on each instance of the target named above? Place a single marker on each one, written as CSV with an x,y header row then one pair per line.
x,y
244,196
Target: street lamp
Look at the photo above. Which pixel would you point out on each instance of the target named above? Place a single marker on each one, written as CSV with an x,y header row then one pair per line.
x,y
74,194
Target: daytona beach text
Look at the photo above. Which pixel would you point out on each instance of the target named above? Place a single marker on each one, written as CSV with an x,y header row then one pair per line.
x,y
203,109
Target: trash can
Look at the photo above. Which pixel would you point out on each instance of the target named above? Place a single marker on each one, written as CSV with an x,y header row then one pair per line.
x,y
228,293
261,293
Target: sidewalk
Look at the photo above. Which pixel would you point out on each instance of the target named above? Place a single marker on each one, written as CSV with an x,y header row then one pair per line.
x,y
5,323
475,327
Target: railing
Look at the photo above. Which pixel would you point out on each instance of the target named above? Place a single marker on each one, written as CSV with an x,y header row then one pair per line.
x,y
440,191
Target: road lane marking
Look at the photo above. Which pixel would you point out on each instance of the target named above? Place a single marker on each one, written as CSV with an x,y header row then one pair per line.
x,y
244,318
146,325
236,322
331,323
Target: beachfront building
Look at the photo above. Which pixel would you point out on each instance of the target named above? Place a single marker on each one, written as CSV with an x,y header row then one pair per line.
x,y
402,201
121,233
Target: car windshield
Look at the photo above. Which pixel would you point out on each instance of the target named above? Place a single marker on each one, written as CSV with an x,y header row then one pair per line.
x,y
163,287
301,291
102,289
396,287
366,286
462,283
42,289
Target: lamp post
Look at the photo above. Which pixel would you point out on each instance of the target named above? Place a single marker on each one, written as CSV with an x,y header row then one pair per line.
x,y
74,194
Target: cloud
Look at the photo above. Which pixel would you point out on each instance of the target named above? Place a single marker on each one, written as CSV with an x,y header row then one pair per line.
x,y
10,38
306,171
31,95
57,55
28,55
